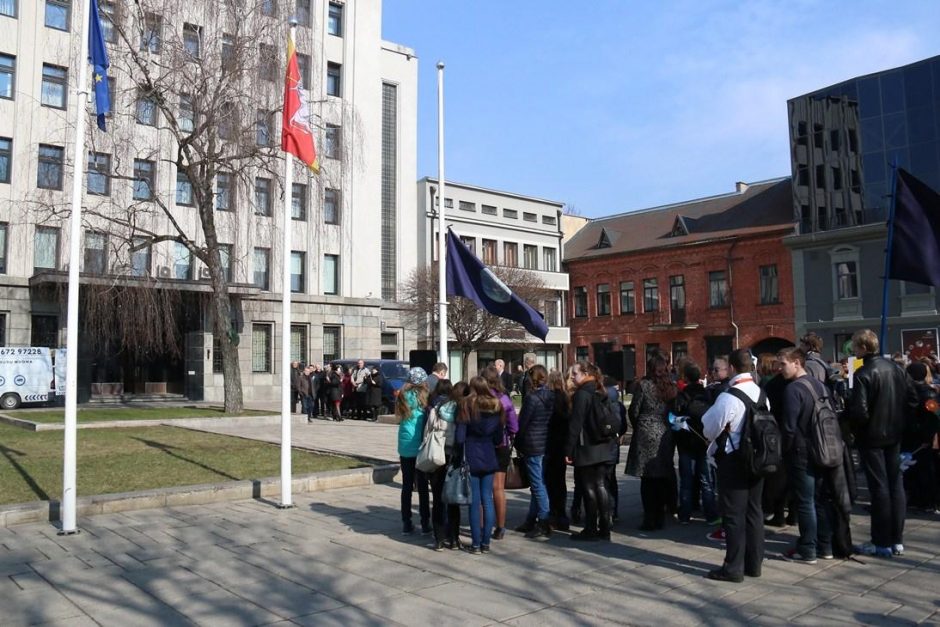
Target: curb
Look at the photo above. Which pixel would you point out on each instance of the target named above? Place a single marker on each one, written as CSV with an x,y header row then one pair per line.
x,y
227,421
48,511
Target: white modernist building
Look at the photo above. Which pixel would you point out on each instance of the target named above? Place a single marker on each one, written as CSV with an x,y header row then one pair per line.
x,y
503,229
351,227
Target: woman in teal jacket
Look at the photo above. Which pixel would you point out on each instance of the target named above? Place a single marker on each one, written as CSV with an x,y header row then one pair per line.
x,y
410,409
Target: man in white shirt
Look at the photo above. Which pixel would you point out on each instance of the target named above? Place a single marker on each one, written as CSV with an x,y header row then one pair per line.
x,y
739,491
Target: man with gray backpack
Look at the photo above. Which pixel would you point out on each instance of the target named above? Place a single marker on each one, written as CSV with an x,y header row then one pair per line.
x,y
813,450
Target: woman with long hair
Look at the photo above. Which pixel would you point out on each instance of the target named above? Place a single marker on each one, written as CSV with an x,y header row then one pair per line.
x,y
531,442
480,430
409,409
652,446
445,519
589,458
504,450
554,469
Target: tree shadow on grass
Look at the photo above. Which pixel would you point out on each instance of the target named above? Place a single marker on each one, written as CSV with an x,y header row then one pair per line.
x,y
169,450
11,454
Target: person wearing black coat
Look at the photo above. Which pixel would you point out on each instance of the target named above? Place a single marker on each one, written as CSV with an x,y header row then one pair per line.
x,y
374,383
922,426
554,468
334,391
530,442
590,459
693,402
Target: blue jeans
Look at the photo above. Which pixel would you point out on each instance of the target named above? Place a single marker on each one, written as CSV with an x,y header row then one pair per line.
x,y
538,504
481,495
803,484
692,469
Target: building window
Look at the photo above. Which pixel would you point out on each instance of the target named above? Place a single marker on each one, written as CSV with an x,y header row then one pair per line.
x,y
511,254
331,274
182,262
3,316
216,355
717,289
45,248
187,116
530,257
96,253
389,224
184,190
55,82
331,208
470,243
298,201
224,193
227,121
298,265
152,33
225,257
4,230
192,40
262,196
334,20
581,353
846,280
529,217
332,341
263,128
580,302
303,67
334,77
49,173
268,7
549,260
302,12
99,174
57,14
261,347
6,159
262,263
677,298
680,350
7,76
510,214
769,290
143,179
332,142
298,342
7,8
550,311
448,203
146,109
627,298
603,299
108,18
650,295
489,252
140,256
467,206
44,331
550,220
267,63
488,210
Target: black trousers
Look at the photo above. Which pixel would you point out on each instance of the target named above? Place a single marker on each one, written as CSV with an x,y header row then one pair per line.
x,y
592,481
613,490
739,495
554,470
444,518
886,487
411,477
655,493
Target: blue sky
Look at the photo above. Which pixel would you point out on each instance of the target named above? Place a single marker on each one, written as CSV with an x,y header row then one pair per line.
x,y
614,105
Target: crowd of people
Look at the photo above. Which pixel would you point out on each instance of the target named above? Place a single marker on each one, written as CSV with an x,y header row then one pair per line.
x,y
725,430
336,392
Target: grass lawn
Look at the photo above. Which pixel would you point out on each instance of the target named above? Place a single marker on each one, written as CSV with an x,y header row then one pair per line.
x,y
125,460
99,414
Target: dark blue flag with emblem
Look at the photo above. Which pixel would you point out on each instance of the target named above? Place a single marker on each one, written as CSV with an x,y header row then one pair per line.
x,y
467,276
98,57
915,249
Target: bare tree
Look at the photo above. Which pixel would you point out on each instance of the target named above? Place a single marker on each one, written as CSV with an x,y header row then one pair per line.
x,y
470,326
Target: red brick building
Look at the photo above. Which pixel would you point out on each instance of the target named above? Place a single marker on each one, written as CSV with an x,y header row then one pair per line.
x,y
698,278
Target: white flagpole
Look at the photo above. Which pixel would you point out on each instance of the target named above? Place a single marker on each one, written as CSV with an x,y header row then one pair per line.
x,y
69,471
442,225
286,501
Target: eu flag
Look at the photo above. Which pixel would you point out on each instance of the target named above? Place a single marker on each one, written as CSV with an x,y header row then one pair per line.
x,y
468,277
98,57
915,247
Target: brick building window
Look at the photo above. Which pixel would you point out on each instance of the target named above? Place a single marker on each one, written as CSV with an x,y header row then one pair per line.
x,y
650,295
627,298
717,289
769,290
603,299
580,302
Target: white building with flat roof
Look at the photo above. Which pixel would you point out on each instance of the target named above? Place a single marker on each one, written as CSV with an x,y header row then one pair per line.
x,y
351,227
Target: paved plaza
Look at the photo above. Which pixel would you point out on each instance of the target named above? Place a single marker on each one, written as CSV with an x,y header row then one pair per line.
x,y
338,558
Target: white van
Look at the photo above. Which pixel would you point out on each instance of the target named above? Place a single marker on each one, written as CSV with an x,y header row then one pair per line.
x,y
26,376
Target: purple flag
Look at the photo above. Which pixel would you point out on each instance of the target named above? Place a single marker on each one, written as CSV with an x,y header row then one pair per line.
x,y
468,277
915,249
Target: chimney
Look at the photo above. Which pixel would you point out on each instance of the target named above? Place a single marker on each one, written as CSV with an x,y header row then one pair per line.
x,y
740,187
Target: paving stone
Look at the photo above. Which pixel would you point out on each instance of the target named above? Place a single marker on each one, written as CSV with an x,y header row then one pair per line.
x,y
347,616
222,608
284,598
555,617
483,601
36,606
411,610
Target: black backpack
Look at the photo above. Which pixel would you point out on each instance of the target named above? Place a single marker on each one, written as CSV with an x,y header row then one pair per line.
x,y
760,436
824,441
602,423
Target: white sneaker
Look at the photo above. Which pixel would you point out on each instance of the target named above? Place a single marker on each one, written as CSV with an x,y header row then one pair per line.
x,y
897,549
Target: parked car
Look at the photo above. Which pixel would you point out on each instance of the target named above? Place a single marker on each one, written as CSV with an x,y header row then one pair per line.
x,y
26,376
394,374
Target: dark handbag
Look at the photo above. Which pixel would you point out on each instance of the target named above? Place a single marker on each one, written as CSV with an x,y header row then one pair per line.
x,y
456,490
516,476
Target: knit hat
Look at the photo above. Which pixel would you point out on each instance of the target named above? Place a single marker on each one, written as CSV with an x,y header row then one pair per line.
x,y
417,376
917,371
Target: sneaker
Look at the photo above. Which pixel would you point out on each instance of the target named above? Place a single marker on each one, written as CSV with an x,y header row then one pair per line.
x,y
539,530
718,535
719,574
426,530
475,550
499,533
897,549
484,548
439,547
795,556
867,548
407,529
825,556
